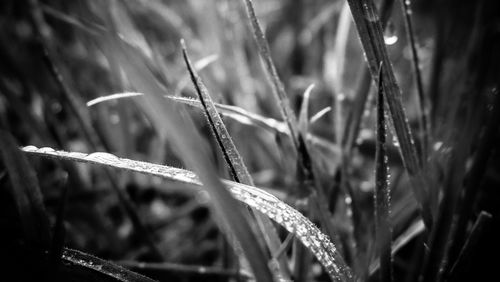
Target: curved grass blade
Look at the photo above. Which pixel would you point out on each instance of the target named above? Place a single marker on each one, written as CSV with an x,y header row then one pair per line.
x,y
79,266
304,111
231,155
328,149
371,36
382,191
292,220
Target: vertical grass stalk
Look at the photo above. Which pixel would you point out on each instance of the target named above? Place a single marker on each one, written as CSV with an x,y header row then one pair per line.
x,y
371,36
382,193
232,158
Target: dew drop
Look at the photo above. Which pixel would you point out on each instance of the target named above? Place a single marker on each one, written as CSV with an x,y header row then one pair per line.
x,y
46,150
102,157
30,148
390,37
390,40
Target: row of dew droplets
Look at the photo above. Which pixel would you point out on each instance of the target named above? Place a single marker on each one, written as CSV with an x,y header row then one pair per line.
x,y
292,220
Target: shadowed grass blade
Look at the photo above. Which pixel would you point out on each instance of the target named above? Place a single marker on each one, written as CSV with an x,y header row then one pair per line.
x,y
80,112
483,222
371,36
292,220
164,271
25,192
382,193
231,156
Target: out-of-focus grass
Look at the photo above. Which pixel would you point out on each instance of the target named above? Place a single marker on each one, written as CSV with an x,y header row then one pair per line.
x,y
94,49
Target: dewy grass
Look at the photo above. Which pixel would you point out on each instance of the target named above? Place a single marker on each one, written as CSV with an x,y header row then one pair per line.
x,y
292,220
189,142
382,192
232,157
371,36
422,101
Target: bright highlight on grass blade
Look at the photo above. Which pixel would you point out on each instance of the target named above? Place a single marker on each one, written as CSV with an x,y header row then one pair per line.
x,y
292,220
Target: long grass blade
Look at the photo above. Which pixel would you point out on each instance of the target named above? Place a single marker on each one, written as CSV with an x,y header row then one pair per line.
x,y
276,83
305,170
292,220
231,156
371,36
424,120
78,264
468,251
353,121
382,193
164,271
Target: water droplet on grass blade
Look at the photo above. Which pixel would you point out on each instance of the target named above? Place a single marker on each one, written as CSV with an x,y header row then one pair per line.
x,y
390,40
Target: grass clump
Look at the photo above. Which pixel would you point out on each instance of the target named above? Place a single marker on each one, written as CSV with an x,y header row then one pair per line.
x,y
203,170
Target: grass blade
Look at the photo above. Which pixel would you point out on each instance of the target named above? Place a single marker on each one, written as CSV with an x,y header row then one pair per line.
x,y
305,170
232,157
476,173
353,121
424,120
382,193
467,253
79,266
292,220
272,74
304,111
25,192
166,271
371,36
231,154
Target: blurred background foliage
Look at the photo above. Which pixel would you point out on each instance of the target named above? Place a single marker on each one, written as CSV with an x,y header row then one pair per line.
x,y
54,57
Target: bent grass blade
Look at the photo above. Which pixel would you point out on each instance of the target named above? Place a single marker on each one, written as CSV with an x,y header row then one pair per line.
x,y
292,220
